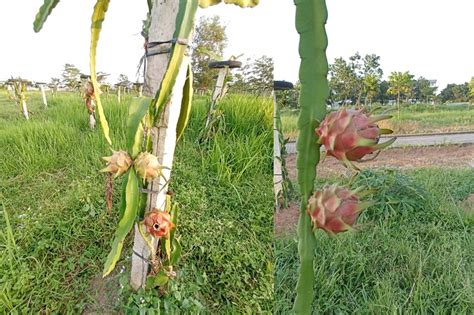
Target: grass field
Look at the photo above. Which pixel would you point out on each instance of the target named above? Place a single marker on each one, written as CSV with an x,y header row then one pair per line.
x,y
413,253
413,119
55,232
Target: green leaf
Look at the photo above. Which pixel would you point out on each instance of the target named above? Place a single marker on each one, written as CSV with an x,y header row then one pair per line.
x,y
240,3
174,218
161,279
98,17
311,16
43,13
186,104
123,201
176,252
137,111
184,25
126,222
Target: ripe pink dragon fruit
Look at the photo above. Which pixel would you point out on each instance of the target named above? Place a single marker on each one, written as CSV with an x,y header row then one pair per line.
x,y
350,134
118,163
335,209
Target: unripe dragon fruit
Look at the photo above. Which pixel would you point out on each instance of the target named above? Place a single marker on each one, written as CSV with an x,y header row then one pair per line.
x,y
158,223
118,163
147,166
350,134
335,209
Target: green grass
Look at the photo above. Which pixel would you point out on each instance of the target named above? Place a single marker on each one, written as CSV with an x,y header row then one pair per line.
x,y
53,246
413,253
413,119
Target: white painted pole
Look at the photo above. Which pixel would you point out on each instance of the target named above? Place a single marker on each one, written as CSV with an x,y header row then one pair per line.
x,y
25,109
217,93
45,102
277,169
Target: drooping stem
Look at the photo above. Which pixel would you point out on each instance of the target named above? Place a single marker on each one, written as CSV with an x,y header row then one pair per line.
x,y
311,16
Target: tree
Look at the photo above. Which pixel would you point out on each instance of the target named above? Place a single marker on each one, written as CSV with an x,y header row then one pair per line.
x,y
371,83
256,76
123,81
423,90
471,90
342,80
71,77
54,84
351,80
209,42
400,84
382,92
455,93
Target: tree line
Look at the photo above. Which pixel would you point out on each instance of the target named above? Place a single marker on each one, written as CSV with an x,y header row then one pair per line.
x,y
209,42
359,81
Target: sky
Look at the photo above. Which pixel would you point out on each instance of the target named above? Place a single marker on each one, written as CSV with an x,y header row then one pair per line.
x,y
430,38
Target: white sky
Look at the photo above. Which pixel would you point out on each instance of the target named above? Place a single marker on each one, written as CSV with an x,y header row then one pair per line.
x,y
428,37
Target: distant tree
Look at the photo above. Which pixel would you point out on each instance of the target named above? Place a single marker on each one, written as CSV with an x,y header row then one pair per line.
x,y
461,92
382,95
289,98
71,77
471,90
54,85
422,90
400,84
209,42
260,75
123,81
371,86
255,76
353,79
455,93
102,77
342,80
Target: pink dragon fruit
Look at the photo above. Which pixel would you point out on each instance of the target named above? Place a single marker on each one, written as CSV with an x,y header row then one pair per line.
x,y
350,134
335,209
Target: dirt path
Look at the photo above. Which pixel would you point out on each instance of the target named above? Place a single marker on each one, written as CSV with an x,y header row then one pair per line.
x,y
406,158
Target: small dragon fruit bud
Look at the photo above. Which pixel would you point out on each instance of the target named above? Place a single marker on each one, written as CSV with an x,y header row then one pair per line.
x,y
335,209
147,166
118,163
349,135
158,223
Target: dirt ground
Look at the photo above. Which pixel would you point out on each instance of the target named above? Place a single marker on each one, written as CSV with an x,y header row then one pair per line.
x,y
405,158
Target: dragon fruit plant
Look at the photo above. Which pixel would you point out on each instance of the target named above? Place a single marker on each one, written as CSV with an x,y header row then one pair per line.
x,y
349,135
141,169
17,93
88,94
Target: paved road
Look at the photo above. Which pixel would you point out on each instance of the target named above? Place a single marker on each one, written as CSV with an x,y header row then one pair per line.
x,y
418,140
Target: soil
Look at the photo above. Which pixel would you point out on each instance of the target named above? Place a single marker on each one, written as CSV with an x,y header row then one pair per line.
x,y
453,156
468,204
406,158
